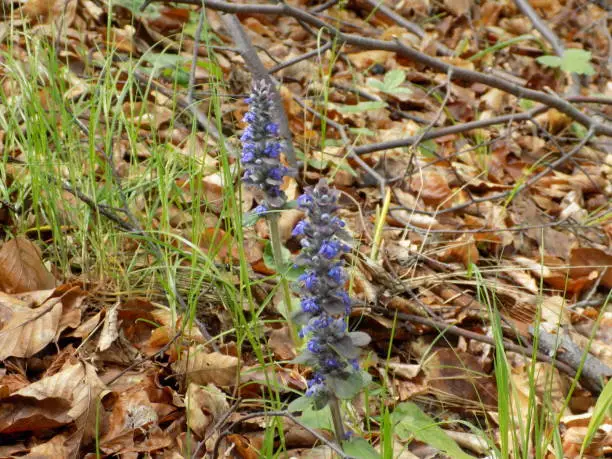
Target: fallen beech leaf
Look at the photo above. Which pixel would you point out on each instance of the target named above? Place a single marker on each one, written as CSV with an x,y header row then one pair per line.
x,y
27,330
46,11
457,7
281,344
202,367
65,397
588,259
62,445
243,446
432,188
21,267
110,330
463,249
204,405
460,375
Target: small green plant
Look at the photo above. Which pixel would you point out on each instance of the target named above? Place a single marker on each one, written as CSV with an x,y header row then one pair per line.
x,y
573,60
392,83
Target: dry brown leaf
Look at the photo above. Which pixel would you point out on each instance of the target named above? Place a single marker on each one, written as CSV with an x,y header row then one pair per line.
x,y
205,405
21,267
46,11
457,7
431,187
203,367
587,259
59,446
281,344
461,376
67,396
110,330
463,249
27,330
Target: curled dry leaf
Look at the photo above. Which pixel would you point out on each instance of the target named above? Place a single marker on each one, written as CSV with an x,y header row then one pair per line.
x,y
203,367
281,344
110,331
26,330
587,259
67,396
21,267
205,405
46,11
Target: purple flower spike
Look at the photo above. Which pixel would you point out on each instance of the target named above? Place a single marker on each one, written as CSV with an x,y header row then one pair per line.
x,y
331,349
261,148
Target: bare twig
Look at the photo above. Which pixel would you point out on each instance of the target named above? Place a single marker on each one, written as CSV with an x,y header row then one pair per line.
x,y
406,51
594,371
455,129
301,57
323,6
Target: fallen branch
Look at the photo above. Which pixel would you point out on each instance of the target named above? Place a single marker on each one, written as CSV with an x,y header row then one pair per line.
x,y
526,350
470,76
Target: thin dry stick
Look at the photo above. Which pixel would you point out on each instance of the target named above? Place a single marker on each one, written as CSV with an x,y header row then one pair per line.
x,y
301,57
366,43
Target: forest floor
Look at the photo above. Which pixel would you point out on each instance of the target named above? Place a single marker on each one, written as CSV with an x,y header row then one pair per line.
x,y
140,314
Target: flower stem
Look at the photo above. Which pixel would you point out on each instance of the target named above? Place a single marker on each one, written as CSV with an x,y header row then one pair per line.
x,y
277,254
334,406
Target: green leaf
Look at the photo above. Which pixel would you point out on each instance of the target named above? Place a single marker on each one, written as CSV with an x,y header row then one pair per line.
x,y
577,61
347,388
358,447
549,61
287,269
362,131
213,69
316,419
299,404
573,60
394,78
268,258
163,60
362,106
411,421
428,148
603,409
399,91
249,219
376,84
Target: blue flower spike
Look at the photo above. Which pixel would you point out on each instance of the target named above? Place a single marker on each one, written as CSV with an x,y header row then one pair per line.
x,y
261,149
331,350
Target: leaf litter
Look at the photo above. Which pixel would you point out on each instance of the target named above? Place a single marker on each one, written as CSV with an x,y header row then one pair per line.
x,y
69,337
